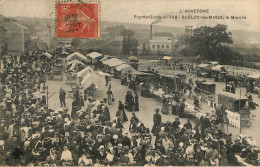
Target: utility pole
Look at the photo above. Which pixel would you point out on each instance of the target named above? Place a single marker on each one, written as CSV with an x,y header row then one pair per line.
x,y
240,112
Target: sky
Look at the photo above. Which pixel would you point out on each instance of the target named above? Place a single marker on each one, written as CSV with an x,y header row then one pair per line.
x,y
125,10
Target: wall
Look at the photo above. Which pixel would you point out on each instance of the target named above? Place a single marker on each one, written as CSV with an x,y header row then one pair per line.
x,y
15,40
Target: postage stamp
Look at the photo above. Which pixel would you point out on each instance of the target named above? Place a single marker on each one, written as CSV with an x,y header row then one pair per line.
x,y
77,19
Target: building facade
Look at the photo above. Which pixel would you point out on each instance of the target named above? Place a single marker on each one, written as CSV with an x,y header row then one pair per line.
x,y
161,44
13,37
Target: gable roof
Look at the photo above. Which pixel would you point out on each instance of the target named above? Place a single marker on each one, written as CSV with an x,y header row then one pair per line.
x,y
94,55
11,24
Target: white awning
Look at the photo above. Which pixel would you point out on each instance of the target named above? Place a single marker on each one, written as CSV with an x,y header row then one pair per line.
x,y
48,55
218,68
203,65
84,72
213,62
94,55
167,58
122,66
254,76
88,80
113,62
76,55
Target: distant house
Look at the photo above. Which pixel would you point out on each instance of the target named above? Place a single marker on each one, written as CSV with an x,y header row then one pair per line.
x,y
64,42
161,44
143,48
14,37
37,45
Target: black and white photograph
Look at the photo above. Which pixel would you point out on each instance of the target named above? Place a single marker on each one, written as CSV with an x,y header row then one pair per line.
x,y
129,83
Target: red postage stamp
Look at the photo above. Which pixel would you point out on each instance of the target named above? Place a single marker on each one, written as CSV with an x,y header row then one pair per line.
x,y
77,19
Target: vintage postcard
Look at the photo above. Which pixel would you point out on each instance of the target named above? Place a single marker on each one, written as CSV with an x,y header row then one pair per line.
x,y
129,82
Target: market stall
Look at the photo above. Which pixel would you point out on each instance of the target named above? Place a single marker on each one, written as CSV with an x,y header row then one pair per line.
x,y
203,70
238,113
94,58
169,83
218,72
81,74
207,88
122,69
76,55
134,62
254,82
141,81
89,84
75,65
110,64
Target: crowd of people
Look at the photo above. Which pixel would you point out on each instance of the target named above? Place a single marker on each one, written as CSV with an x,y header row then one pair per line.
x,y
33,134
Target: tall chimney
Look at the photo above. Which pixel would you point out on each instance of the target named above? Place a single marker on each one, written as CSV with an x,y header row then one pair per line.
x,y
151,31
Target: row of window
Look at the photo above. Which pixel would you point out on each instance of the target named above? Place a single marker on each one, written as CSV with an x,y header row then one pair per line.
x,y
161,46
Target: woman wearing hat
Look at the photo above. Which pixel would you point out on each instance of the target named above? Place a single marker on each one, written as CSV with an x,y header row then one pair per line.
x,y
121,112
165,108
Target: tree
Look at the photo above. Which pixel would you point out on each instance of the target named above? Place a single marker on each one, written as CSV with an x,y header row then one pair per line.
x,y
129,43
209,43
75,43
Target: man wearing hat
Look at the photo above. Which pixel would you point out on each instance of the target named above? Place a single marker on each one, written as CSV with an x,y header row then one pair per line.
x,y
126,140
157,120
101,153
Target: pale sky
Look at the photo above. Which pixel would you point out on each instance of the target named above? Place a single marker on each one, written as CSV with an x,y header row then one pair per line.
x,y
124,11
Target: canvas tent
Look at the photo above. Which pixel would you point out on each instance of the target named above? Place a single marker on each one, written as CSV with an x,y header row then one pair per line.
x,y
88,80
218,68
76,55
75,62
113,62
75,66
84,72
120,67
94,55
125,68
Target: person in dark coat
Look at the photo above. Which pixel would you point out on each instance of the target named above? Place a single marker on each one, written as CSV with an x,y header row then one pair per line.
x,y
131,102
181,108
136,107
127,99
106,114
157,120
62,97
188,125
233,89
121,112
196,102
176,123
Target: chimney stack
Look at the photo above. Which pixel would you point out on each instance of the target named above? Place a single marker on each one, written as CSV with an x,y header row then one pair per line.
x,y
151,31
